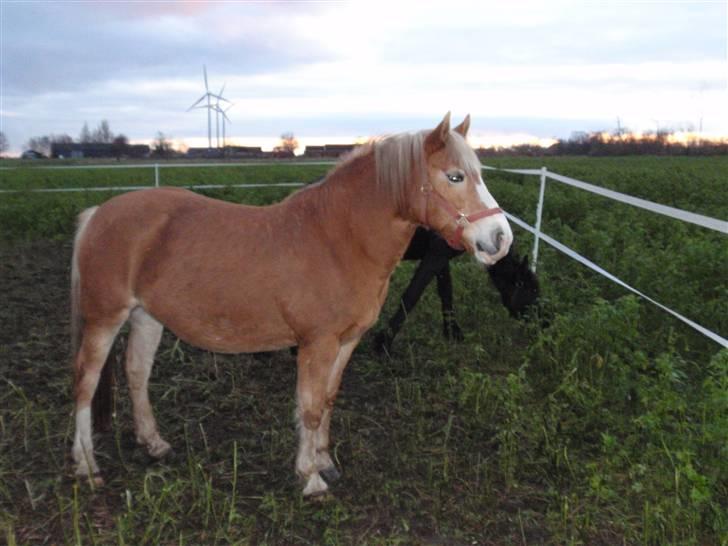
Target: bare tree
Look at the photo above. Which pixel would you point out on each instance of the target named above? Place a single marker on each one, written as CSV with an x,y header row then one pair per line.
x,y
102,133
85,136
288,142
3,143
161,147
41,144
61,139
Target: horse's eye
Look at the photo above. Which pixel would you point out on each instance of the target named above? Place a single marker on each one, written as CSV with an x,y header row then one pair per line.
x,y
455,178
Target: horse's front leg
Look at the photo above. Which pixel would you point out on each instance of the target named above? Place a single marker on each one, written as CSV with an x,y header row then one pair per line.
x,y
324,463
320,365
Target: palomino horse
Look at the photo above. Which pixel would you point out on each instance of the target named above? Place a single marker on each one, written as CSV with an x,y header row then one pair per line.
x,y
311,271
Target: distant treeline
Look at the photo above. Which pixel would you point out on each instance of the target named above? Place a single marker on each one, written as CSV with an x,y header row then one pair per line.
x,y
606,144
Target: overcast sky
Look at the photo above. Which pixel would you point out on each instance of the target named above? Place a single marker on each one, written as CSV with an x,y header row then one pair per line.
x,y
335,71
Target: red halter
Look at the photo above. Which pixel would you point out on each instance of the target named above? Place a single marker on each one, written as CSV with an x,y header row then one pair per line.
x,y
461,219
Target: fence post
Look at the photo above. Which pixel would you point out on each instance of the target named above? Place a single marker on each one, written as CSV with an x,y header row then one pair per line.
x,y
156,175
539,211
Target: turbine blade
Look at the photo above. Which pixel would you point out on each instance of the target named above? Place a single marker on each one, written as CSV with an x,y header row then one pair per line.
x,y
204,71
222,89
218,97
198,101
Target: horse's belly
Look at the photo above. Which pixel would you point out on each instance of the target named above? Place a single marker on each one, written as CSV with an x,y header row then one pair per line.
x,y
241,340
225,327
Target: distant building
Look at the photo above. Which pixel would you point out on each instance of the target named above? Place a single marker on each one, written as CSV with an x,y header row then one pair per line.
x,y
79,150
32,154
240,152
328,150
244,152
281,153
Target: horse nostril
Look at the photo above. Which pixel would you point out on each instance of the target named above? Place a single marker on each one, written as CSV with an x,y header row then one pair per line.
x,y
480,246
498,237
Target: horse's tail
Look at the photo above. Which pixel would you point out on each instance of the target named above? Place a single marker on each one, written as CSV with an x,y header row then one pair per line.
x,y
102,401
76,318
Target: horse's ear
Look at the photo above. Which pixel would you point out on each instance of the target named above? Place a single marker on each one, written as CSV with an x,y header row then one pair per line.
x,y
462,129
438,136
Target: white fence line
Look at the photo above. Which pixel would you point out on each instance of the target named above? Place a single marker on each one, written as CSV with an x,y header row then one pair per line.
x,y
157,167
686,216
136,188
165,165
594,267
679,214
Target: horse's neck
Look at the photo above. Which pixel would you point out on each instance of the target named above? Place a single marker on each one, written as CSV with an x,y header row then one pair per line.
x,y
357,213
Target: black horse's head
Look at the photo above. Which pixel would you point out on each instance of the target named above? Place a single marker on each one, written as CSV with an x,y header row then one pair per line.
x,y
517,284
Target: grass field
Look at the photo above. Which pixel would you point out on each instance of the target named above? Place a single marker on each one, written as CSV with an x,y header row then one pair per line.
x,y
608,425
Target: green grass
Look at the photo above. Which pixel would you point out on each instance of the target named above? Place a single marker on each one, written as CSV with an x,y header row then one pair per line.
x,y
52,215
609,426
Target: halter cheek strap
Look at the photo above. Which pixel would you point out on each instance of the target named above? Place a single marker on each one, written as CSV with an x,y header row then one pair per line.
x,y
460,218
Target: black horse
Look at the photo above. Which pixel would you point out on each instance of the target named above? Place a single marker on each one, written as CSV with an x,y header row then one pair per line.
x,y
517,284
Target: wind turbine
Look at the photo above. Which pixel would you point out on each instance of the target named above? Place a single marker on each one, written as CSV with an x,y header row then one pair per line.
x,y
208,97
219,111
224,117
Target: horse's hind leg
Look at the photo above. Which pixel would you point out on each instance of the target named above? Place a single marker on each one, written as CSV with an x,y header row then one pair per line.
x,y
97,339
144,338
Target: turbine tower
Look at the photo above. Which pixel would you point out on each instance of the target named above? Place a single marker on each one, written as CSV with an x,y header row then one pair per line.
x,y
219,111
224,117
208,96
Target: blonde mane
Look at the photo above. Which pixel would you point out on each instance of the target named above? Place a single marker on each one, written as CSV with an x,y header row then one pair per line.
x,y
400,160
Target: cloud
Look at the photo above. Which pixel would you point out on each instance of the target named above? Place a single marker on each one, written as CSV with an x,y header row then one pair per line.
x,y
69,46
358,68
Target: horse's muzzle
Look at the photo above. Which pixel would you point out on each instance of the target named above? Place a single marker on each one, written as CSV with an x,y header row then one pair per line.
x,y
490,250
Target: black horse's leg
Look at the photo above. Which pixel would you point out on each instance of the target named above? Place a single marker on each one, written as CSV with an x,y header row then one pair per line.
x,y
426,270
450,327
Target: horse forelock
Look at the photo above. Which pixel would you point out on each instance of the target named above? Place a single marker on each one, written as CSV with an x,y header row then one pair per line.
x,y
461,154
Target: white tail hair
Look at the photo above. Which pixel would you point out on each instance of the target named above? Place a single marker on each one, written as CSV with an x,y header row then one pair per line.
x,y
76,318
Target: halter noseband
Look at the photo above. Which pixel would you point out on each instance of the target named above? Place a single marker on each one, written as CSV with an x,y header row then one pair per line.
x,y
461,219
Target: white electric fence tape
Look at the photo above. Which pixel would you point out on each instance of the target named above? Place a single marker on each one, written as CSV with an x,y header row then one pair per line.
x,y
685,216
135,188
591,265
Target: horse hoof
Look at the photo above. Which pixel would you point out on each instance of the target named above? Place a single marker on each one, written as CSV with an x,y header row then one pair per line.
x,y
94,480
319,498
330,475
315,486
160,450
